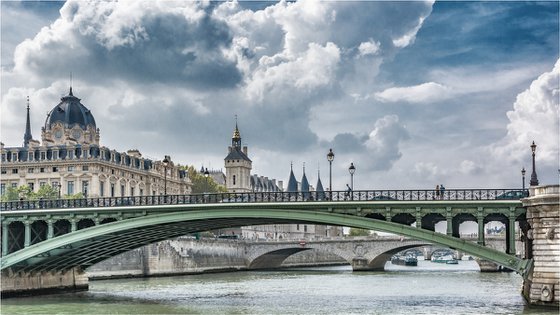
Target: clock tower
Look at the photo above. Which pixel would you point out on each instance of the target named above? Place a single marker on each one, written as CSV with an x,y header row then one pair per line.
x,y
238,165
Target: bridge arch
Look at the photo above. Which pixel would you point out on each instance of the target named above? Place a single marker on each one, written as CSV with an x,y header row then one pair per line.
x,y
103,241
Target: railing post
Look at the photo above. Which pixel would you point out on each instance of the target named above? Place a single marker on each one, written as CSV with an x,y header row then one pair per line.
x,y
73,225
449,219
50,229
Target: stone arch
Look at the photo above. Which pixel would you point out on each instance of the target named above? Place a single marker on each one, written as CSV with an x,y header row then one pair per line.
x,y
274,258
460,218
378,262
430,220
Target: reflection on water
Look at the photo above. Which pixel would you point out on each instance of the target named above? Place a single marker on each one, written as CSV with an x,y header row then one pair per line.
x,y
327,290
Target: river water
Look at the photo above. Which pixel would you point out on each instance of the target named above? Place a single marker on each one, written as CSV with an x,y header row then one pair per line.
x,y
429,288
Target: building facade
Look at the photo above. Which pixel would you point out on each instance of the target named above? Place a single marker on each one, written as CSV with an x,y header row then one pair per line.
x,y
70,159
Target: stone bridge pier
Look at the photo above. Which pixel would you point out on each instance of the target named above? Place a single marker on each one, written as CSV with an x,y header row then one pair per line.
x,y
542,286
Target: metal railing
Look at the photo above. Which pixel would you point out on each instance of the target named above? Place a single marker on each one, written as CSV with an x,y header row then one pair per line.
x,y
253,197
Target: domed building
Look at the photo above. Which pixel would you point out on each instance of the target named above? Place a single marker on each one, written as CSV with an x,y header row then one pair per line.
x,y
71,159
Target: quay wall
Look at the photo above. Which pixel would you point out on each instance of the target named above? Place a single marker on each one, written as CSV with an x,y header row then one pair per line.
x,y
185,255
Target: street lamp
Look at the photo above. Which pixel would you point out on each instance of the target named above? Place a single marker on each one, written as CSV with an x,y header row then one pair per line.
x,y
330,158
534,181
352,170
165,164
206,175
523,178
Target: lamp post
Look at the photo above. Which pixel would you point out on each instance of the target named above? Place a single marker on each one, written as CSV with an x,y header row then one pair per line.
x,y
352,170
523,180
534,181
330,158
206,175
165,164
59,190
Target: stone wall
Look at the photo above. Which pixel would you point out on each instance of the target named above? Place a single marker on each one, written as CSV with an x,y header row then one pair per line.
x,y
542,287
43,283
185,255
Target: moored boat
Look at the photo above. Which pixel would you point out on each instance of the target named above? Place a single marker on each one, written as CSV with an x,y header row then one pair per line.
x,y
408,260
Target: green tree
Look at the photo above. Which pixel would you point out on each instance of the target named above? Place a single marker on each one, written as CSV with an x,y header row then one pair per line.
x,y
47,192
202,184
358,232
16,193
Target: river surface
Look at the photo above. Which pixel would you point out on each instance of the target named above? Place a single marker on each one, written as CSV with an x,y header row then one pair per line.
x,y
430,288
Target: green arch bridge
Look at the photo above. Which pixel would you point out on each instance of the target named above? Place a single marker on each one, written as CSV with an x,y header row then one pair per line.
x,y
59,235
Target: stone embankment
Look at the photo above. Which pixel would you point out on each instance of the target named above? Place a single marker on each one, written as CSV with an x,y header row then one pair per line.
x,y
187,255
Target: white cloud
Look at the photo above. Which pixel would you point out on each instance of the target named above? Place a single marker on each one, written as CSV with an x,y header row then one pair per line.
x,y
370,47
384,141
423,93
535,117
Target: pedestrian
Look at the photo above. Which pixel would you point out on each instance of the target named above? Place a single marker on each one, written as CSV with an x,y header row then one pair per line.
x,y
442,191
348,190
437,192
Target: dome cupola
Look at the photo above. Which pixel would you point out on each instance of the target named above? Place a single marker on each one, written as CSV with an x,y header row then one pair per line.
x,y
70,121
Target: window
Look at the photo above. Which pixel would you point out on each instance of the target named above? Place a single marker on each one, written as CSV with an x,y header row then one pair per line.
x,y
3,157
14,170
70,186
101,189
55,155
30,156
14,185
102,169
42,170
85,168
30,170
31,185
297,227
55,169
122,190
2,189
43,155
112,172
70,168
54,185
41,184
112,190
132,191
14,157
305,228
4,171
233,180
141,192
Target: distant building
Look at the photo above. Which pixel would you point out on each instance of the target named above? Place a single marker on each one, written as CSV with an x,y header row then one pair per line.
x,y
239,180
70,159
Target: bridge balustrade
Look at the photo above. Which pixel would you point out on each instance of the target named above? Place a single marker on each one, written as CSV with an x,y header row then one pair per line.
x,y
253,197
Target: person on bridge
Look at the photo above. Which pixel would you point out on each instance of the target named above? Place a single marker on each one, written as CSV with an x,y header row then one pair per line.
x,y
442,191
437,191
348,191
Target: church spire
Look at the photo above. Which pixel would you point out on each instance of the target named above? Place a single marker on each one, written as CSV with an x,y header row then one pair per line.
x,y
27,136
236,139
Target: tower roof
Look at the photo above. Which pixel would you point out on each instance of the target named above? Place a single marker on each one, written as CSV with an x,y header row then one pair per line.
x,y
292,182
70,111
304,182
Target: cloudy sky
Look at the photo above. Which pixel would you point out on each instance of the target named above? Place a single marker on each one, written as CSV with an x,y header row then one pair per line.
x,y
414,93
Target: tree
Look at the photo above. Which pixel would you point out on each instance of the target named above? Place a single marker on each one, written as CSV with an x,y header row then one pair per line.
x,y
47,192
202,184
358,232
16,193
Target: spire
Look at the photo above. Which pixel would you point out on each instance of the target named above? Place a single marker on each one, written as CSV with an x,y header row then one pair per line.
x,y
70,85
27,136
320,189
292,182
236,139
304,181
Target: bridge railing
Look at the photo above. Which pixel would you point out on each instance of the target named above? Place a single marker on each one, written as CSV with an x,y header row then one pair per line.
x,y
252,197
